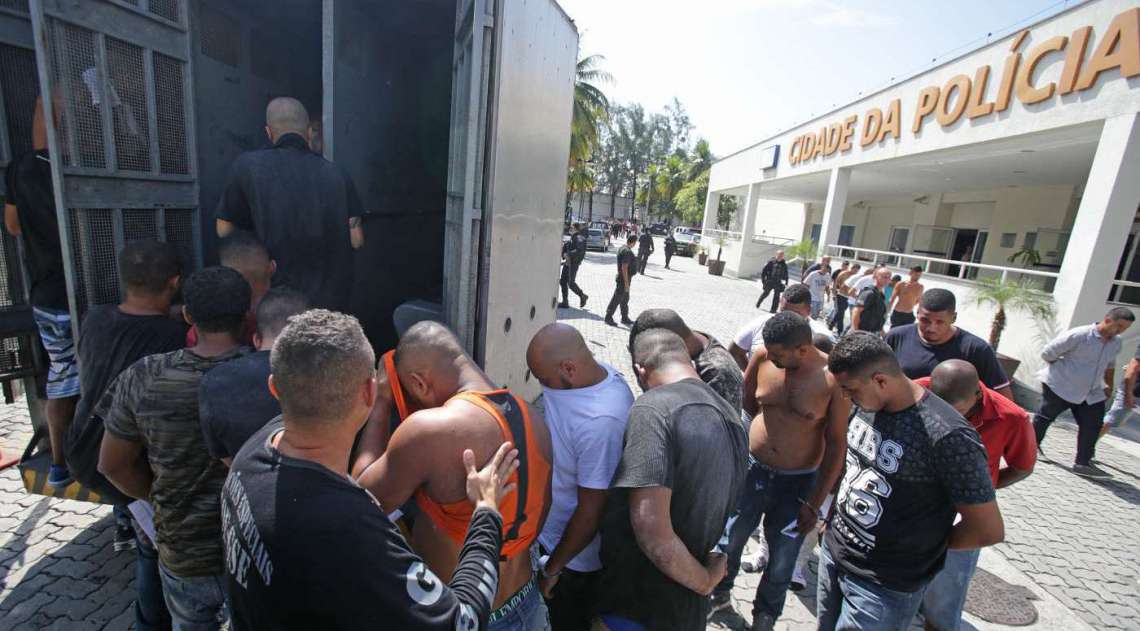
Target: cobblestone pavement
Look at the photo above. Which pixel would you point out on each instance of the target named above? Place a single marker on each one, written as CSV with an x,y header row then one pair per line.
x,y
1073,537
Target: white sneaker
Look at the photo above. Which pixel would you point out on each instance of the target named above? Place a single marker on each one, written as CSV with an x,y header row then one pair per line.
x,y
757,563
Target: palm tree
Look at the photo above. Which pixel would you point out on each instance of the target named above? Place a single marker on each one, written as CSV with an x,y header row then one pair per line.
x,y
701,160
670,178
1010,295
591,107
581,179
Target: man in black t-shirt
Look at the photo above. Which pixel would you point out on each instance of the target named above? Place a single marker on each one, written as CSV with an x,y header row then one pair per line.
x,y
112,338
773,278
573,253
626,268
308,548
304,208
683,463
234,400
870,313
645,247
934,339
913,463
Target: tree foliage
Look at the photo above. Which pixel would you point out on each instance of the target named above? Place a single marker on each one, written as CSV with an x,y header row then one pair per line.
x,y
1008,295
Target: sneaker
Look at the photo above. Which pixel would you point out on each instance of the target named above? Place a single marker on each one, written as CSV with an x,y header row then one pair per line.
x,y
627,321
719,601
1089,471
610,321
124,538
563,305
763,622
59,476
582,301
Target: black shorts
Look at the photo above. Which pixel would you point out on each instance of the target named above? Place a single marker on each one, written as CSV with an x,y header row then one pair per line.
x,y
901,318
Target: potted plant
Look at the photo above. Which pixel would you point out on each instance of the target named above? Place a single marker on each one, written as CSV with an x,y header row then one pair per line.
x,y
716,268
1008,295
702,255
1028,257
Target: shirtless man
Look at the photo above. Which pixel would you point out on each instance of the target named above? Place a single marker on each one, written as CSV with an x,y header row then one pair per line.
x,y
459,406
840,292
798,439
905,297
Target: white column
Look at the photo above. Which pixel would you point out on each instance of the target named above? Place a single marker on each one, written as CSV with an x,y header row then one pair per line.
x,y
744,263
712,200
1101,227
750,202
833,209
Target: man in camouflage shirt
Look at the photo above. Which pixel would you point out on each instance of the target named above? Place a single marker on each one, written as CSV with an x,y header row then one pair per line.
x,y
713,362
153,448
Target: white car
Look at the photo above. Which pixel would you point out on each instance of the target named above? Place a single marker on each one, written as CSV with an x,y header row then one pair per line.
x,y
688,240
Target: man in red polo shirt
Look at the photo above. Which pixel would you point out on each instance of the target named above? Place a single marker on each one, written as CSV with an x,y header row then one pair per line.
x,y
1006,433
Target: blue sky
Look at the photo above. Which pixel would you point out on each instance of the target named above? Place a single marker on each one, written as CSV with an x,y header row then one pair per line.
x,y
745,69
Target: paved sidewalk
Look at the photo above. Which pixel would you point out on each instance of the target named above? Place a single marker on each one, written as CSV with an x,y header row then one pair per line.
x,y
1067,538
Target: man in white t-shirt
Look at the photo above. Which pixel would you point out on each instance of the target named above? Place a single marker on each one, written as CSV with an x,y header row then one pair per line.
x,y
819,283
796,298
586,407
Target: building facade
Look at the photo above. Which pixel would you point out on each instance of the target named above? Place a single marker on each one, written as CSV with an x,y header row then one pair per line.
x,y
1018,160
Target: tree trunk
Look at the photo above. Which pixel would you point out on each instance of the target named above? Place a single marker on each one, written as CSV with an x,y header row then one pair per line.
x,y
591,204
997,328
613,198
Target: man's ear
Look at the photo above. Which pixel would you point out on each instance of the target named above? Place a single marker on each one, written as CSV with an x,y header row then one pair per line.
x,y
370,392
173,282
186,316
269,134
273,388
257,340
272,267
568,367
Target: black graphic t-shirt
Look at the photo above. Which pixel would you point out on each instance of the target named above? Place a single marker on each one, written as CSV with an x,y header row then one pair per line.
x,y
307,549
906,471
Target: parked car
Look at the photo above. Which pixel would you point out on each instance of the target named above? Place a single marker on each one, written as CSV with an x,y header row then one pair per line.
x,y
598,239
659,229
688,240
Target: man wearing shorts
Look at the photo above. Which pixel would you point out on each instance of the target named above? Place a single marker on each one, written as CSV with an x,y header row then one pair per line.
x,y
29,210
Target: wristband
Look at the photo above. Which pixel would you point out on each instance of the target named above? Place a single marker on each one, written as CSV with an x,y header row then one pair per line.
x,y
811,508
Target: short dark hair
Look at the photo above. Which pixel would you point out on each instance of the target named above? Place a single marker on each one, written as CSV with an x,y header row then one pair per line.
x,y
217,299
317,362
786,329
938,299
655,348
240,246
896,277
658,319
855,266
822,342
1121,313
276,307
148,266
797,294
862,352
916,268
632,238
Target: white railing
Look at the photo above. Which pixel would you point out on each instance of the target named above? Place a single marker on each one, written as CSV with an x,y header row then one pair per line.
x,y
761,238
903,259
710,236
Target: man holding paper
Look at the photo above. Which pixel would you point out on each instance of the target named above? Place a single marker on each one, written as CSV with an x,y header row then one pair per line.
x,y
798,439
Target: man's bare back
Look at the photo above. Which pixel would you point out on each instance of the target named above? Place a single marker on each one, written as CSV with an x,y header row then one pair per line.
x,y
791,410
908,294
425,454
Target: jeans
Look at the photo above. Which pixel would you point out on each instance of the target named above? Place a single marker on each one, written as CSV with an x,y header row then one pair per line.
x,y
774,496
1089,416
528,615
196,603
573,600
775,289
848,603
150,606
945,596
1117,415
839,313
642,260
619,299
816,307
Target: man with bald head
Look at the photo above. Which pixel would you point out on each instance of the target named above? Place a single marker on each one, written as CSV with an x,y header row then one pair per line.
x,y
870,312
460,407
586,407
303,208
1006,434
682,466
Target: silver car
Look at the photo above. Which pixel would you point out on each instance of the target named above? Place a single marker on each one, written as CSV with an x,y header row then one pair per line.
x,y
597,239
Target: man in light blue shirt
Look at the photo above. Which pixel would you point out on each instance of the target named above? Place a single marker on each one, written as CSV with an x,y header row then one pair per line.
x,y
1077,377
586,407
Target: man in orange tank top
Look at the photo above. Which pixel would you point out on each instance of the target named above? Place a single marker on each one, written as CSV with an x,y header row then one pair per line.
x,y
458,406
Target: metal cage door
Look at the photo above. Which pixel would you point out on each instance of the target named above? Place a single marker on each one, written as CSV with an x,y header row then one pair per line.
x,y
121,136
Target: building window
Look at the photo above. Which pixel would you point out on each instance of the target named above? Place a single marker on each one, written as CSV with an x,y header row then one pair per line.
x,y
1008,239
932,240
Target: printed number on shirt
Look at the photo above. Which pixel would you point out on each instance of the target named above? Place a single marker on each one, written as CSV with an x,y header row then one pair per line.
x,y
861,492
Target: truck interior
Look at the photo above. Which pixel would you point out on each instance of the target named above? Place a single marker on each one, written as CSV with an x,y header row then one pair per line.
x,y
377,82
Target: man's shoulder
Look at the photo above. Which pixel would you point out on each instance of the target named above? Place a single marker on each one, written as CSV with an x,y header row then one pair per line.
x,y
967,342
940,418
899,334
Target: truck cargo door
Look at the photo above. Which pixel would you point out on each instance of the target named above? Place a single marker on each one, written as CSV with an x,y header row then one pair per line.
x,y
512,92
122,140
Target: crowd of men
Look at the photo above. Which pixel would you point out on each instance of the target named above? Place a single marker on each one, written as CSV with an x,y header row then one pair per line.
x,y
298,480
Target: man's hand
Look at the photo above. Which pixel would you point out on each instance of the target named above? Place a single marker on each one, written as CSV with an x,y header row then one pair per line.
x,y
1129,400
717,567
1108,392
547,583
808,519
487,486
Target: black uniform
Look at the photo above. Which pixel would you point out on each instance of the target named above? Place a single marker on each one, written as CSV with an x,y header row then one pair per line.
x,y
670,249
621,294
774,277
644,249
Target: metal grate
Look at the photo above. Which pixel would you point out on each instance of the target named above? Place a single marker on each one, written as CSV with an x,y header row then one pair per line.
x,y
15,5
17,80
220,36
127,94
168,9
73,227
180,232
171,115
140,225
77,77
94,249
11,275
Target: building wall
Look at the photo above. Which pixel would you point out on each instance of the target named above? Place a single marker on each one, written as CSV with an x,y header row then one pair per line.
x,y
777,219
580,203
